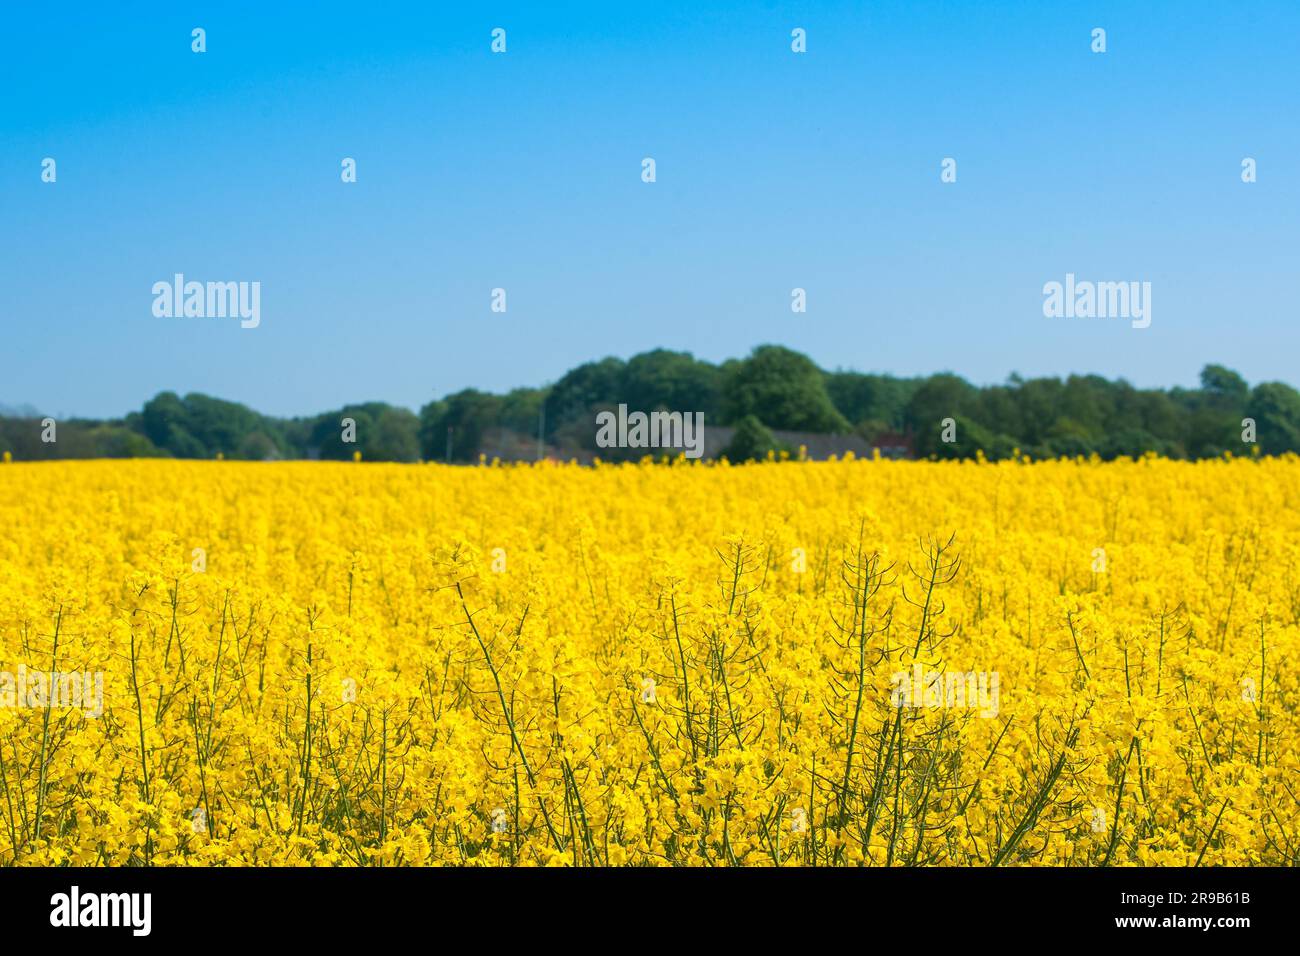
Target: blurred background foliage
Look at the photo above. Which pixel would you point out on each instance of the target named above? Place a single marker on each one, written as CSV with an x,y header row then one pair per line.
x,y
774,388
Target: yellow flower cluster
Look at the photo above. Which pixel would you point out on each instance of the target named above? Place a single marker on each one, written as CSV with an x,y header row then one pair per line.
x,y
834,663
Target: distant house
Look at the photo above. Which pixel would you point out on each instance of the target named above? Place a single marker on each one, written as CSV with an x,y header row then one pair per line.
x,y
894,445
509,445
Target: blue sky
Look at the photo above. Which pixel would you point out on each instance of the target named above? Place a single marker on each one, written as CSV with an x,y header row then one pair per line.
x,y
522,171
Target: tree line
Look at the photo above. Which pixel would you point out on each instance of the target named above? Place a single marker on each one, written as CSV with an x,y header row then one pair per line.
x,y
772,389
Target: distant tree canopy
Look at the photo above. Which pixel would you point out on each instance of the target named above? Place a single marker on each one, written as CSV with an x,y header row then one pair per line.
x,y
660,380
781,388
198,426
379,431
772,389
752,441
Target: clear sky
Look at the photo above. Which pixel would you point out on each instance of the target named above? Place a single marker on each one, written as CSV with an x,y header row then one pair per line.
x,y
523,171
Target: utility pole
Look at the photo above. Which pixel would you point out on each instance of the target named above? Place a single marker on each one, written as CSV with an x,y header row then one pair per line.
x,y
541,428
449,444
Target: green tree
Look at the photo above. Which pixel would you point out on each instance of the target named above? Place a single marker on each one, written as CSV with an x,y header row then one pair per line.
x,y
380,431
782,387
468,414
520,410
876,398
671,381
1224,387
577,396
969,437
1275,407
165,422
939,397
751,441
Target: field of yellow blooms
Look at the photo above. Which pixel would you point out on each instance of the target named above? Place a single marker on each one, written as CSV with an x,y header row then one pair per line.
x,y
836,663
